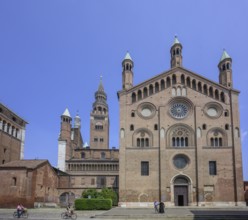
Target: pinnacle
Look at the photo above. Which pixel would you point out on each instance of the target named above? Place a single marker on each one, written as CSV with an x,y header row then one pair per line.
x,y
224,56
128,57
66,113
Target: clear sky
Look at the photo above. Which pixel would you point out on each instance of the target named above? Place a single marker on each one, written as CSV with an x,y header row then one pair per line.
x,y
52,54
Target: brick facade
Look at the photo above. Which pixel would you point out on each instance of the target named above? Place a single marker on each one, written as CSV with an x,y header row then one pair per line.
x,y
27,182
180,138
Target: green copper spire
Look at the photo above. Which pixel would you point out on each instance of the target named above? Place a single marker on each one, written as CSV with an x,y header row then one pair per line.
x,y
224,55
128,57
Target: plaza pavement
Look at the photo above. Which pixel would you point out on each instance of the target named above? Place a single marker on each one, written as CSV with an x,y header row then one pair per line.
x,y
172,213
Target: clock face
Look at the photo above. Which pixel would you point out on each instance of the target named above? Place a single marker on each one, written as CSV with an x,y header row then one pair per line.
x,y
179,110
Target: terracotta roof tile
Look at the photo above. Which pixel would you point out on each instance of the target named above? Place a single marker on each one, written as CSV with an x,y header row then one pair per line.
x,y
30,164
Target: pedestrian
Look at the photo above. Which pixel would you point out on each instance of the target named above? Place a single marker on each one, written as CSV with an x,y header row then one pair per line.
x,y
156,206
19,209
161,207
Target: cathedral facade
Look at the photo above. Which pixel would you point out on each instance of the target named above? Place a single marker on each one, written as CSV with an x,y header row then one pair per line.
x,y
180,137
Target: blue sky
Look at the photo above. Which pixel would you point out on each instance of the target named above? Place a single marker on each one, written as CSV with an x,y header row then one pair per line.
x,y
52,54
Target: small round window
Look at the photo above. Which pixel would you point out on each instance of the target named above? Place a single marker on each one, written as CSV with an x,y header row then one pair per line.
x,y
146,112
180,161
212,112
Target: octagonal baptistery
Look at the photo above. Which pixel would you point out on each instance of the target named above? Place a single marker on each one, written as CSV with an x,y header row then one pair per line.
x,y
179,137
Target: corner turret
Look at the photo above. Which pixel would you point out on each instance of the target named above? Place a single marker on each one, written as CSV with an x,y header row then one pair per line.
x,y
225,70
176,53
127,72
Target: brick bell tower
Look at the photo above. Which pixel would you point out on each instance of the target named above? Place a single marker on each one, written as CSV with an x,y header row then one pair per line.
x,y
64,142
99,120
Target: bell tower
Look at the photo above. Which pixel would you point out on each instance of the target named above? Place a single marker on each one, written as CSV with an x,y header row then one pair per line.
x,y
176,53
64,145
127,72
99,120
225,70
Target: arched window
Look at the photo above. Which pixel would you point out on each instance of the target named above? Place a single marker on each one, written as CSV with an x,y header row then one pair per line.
x,y
183,79
168,82
216,93
142,138
236,133
205,89
155,127
132,114
162,84
122,133
1,124
14,181
99,126
145,92
131,127
194,84
178,52
4,126
179,91
217,137
226,113
83,155
133,97
139,95
173,91
204,127
226,126
199,132
142,142
156,87
180,136
199,87
211,94
184,92
12,130
174,79
103,155
151,89
162,132
8,127
222,96
223,67
147,142
188,82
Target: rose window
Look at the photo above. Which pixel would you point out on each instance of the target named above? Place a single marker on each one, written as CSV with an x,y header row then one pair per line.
x,y
179,110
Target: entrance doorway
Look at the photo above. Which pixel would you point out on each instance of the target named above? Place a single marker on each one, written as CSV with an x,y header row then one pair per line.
x,y
181,195
181,191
